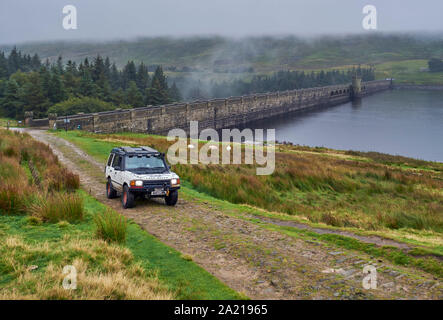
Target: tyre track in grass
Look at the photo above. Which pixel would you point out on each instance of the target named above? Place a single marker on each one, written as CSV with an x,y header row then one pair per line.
x,y
261,263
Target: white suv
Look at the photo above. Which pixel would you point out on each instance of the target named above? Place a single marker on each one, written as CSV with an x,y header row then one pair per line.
x,y
140,172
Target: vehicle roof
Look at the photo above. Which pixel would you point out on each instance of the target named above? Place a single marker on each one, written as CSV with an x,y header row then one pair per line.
x,y
135,150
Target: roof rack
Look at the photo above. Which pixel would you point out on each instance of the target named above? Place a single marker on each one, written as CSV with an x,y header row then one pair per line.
x,y
148,149
136,150
128,149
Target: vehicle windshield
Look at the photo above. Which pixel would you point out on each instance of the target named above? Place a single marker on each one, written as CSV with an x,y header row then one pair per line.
x,y
145,163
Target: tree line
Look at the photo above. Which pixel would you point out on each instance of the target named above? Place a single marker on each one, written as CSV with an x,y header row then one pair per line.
x,y
27,84
289,80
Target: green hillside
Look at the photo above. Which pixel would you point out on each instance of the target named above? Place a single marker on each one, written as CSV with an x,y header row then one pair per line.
x,y
261,53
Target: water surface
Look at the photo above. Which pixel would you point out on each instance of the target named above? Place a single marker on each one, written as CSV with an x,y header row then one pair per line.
x,y
399,122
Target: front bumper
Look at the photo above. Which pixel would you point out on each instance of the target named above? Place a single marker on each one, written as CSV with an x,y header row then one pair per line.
x,y
153,186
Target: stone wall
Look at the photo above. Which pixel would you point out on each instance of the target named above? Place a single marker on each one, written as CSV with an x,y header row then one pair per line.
x,y
418,87
217,113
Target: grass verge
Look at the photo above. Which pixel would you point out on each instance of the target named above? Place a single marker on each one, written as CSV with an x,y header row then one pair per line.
x,y
34,254
431,240
46,223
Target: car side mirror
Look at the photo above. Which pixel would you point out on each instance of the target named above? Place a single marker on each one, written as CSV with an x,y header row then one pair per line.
x,y
117,168
169,167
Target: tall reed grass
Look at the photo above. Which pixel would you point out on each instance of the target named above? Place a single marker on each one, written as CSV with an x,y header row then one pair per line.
x,y
31,178
58,207
111,226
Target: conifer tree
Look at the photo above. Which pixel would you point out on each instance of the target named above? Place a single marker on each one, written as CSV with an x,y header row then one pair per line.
x,y
98,69
158,92
107,68
33,97
3,66
153,96
118,97
174,93
11,105
45,77
142,77
133,96
59,67
129,74
70,78
35,62
86,87
56,92
14,61
114,79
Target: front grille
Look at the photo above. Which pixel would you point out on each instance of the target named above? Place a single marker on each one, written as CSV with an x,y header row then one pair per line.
x,y
156,183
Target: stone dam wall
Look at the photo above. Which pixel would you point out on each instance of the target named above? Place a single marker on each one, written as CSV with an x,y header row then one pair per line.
x,y
217,113
418,87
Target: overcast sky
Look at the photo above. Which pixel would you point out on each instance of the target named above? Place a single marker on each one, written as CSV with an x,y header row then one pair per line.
x,y
36,20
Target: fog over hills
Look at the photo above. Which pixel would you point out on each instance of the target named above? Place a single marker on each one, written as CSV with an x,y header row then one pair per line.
x,y
262,54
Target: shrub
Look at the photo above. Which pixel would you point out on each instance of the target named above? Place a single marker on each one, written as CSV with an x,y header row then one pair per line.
x,y
71,181
81,104
10,170
12,199
186,257
331,219
10,151
62,179
111,226
388,174
34,221
397,220
58,207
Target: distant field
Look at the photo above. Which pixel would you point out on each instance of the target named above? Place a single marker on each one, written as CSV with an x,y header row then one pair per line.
x,y
409,71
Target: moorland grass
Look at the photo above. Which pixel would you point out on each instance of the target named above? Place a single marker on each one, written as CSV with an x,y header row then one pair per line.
x,y
37,239
33,269
58,207
33,180
380,176
110,226
338,191
143,268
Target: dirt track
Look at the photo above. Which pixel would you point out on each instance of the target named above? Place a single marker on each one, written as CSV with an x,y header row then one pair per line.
x,y
260,263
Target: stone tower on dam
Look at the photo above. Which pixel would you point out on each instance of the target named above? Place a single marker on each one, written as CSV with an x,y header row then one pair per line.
x,y
356,87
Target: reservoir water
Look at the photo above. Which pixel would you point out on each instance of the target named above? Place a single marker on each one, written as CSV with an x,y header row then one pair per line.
x,y
398,122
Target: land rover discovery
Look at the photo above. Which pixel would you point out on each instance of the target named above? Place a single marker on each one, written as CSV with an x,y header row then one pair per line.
x,y
140,172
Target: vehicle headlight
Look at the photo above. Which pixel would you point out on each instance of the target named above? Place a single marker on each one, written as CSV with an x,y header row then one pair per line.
x,y
136,183
175,182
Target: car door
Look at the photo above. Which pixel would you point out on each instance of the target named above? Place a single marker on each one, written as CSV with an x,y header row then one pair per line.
x,y
108,167
116,175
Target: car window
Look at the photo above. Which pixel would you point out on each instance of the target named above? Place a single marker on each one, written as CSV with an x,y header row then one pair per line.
x,y
110,159
117,161
145,162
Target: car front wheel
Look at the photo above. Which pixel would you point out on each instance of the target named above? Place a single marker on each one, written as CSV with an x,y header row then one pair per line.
x,y
127,198
171,199
110,191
